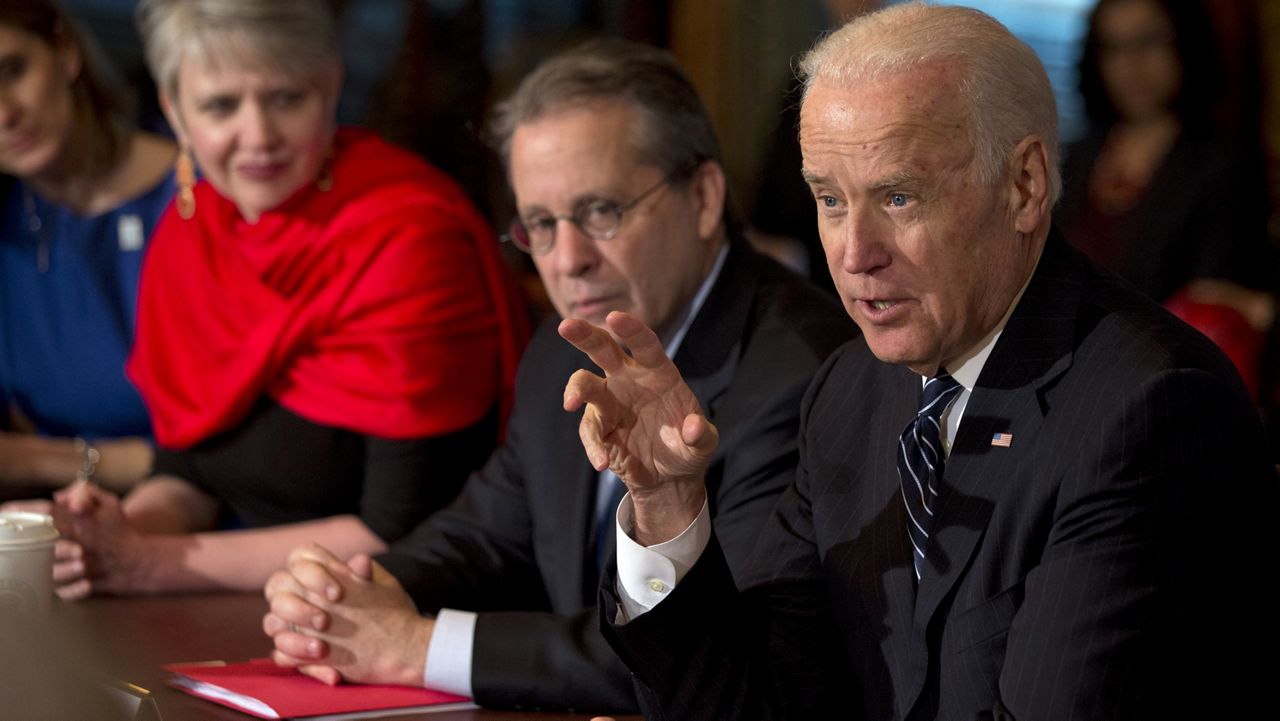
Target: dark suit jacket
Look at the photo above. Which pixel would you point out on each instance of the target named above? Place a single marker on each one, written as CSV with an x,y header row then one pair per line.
x,y
1098,568
518,543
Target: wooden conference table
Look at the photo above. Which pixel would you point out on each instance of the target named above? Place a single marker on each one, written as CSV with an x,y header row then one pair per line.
x,y
135,636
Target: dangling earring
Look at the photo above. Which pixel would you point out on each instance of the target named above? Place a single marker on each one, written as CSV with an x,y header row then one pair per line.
x,y
324,182
184,172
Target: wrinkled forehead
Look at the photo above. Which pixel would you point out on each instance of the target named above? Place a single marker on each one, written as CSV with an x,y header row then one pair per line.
x,y
592,144
920,107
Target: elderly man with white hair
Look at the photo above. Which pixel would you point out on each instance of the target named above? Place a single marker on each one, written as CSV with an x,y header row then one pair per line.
x,y
1026,492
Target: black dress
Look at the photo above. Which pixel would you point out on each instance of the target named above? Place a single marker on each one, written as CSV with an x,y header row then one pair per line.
x,y
276,467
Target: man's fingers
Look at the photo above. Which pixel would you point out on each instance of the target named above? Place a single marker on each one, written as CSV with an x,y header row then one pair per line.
x,y
319,580
585,387
325,674
596,342
643,343
273,624
297,647
699,434
281,582
592,436
296,610
313,552
362,566
381,576
306,666
317,571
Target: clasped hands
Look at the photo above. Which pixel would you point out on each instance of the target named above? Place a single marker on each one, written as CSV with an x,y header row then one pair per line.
x,y
352,621
345,621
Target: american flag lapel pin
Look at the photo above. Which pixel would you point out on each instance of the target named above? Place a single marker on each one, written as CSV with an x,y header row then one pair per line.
x,y
1002,440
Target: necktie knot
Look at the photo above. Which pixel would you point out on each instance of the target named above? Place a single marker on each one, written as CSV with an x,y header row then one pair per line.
x,y
937,395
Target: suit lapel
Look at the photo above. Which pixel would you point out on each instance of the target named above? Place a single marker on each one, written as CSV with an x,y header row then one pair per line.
x,y
707,358
573,497
896,566
1033,350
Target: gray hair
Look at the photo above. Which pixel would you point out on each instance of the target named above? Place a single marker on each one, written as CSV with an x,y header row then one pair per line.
x,y
297,36
674,130
1002,81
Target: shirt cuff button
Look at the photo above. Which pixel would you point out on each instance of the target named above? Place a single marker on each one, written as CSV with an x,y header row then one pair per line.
x,y
657,586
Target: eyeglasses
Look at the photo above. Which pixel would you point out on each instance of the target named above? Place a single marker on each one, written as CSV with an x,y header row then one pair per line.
x,y
598,218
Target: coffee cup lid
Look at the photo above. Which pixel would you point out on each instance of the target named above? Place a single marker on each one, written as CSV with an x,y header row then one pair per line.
x,y
21,528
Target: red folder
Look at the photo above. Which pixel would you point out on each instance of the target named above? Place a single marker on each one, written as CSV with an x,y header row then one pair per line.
x,y
261,688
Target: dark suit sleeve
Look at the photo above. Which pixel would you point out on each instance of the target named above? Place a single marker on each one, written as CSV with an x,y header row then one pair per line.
x,y
1145,601
543,660
474,554
708,651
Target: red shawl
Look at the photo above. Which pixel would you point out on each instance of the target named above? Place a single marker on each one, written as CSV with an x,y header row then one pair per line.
x,y
381,305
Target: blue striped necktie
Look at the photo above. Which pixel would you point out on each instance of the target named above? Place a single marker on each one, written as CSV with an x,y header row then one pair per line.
x,y
920,460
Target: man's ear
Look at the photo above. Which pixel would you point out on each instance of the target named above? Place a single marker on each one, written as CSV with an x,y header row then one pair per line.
x,y
1029,189
708,187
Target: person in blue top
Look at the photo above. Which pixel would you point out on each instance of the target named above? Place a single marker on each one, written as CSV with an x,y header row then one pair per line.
x,y
79,194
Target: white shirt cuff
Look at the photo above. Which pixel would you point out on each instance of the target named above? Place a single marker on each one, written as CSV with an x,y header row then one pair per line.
x,y
647,575
448,666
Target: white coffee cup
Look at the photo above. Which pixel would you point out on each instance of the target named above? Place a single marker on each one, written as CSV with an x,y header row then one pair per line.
x,y
26,564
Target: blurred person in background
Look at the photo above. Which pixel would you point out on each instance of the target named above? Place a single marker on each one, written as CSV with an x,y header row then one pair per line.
x,y
327,338
1159,191
81,192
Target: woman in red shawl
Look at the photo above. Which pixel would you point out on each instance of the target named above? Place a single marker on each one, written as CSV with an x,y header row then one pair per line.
x,y
326,336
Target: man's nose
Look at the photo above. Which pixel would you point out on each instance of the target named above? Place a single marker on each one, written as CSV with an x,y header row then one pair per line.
x,y
575,252
862,242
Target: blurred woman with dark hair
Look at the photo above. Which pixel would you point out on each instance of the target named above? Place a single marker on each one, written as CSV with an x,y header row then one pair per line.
x,y
81,192
1160,192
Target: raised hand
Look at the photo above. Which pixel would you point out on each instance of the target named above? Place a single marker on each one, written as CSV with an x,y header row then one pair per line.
x,y
345,621
642,422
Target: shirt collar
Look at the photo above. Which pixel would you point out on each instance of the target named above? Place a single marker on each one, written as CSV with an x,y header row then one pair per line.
x,y
673,344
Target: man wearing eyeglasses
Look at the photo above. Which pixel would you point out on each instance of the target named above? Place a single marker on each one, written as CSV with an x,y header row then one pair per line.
x,y
621,201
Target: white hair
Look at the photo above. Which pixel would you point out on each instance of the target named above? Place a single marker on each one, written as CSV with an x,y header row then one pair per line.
x,y
1002,81
298,37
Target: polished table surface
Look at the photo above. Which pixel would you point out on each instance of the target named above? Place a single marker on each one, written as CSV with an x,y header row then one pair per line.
x,y
134,637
